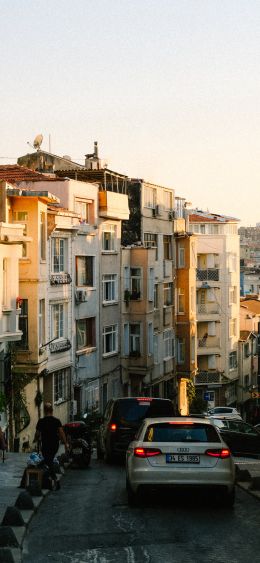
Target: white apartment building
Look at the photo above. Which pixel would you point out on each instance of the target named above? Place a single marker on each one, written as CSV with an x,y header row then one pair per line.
x,y
217,306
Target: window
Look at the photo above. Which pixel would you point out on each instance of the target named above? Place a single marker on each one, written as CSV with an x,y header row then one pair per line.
x,y
181,257
23,326
247,350
149,197
151,284
156,348
233,360
85,271
110,285
61,380
181,351
110,339
82,208
57,319
232,327
132,339
58,251
167,197
41,322
85,329
232,295
168,344
181,307
22,217
109,238
151,241
5,282
168,293
135,283
156,296
167,247
135,336
43,235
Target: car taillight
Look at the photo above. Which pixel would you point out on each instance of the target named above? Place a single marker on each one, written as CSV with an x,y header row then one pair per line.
x,y
146,452
223,453
113,427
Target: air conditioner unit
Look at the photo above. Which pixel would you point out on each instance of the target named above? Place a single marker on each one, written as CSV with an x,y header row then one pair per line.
x,y
154,211
81,295
171,215
158,209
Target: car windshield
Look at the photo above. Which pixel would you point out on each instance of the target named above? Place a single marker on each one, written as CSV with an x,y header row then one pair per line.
x,y
181,432
135,410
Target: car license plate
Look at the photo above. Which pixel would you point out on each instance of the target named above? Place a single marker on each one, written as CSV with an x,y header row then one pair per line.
x,y
182,458
77,451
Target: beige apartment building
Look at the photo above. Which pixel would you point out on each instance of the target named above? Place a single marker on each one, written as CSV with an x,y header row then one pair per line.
x,y
217,306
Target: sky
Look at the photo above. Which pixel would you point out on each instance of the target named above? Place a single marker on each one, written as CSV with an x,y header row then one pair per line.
x,y
170,89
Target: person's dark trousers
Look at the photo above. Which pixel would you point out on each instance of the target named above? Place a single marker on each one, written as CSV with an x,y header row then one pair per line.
x,y
48,457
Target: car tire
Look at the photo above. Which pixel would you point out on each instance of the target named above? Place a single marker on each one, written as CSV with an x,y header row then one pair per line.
x,y
229,499
132,498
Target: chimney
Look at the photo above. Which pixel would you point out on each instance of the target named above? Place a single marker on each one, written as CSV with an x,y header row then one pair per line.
x,y
95,149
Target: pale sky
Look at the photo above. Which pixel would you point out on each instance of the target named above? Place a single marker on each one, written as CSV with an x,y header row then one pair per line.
x,y
170,89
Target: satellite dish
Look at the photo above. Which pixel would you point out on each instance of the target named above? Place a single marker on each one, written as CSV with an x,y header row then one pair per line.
x,y
37,141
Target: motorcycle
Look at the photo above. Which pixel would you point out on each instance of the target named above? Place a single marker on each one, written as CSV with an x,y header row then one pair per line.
x,y
79,442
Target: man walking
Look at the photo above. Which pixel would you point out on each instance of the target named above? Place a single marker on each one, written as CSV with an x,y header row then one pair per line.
x,y
49,430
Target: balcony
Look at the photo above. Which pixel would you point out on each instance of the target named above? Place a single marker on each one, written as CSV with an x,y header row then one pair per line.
x,y
208,377
208,345
208,308
58,279
60,346
208,274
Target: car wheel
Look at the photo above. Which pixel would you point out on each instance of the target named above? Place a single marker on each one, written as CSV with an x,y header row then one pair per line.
x,y
229,499
132,498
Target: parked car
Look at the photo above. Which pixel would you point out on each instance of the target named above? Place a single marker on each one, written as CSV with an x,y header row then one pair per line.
x,y
179,453
121,420
230,412
242,438
257,427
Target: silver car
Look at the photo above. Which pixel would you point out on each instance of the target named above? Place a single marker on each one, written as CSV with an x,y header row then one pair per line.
x,y
229,412
179,452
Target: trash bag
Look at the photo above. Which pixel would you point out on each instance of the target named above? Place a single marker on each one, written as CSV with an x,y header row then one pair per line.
x,y
34,459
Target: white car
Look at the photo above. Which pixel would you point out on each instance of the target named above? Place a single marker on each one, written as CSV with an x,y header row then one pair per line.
x,y
229,412
178,452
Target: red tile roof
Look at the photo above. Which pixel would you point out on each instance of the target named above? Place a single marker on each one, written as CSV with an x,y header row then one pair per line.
x,y
13,173
209,218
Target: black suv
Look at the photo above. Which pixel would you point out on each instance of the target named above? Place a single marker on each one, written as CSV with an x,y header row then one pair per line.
x,y
121,420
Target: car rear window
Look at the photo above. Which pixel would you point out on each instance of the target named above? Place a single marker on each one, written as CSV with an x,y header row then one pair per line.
x,y
135,410
181,432
223,409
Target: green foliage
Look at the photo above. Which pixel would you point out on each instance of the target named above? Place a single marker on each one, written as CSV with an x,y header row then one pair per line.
x,y
198,405
190,391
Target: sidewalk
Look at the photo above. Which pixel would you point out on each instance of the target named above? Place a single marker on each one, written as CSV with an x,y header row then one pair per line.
x,y
248,475
13,532
11,472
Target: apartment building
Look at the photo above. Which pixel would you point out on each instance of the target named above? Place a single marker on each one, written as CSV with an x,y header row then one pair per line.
x,y
249,359
217,306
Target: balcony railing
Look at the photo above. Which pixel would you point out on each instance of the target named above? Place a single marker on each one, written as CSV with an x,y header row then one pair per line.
x,y
207,377
60,346
208,308
208,274
209,342
57,279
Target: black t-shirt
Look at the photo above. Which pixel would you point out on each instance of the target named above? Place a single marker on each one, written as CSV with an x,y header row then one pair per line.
x,y
48,427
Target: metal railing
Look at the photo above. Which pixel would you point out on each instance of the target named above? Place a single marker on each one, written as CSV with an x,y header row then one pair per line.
x,y
208,274
206,377
57,279
208,308
209,342
60,346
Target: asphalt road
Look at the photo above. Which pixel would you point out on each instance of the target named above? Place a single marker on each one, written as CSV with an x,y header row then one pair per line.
x,y
89,520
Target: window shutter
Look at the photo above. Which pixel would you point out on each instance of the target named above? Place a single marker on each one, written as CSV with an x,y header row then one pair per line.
x,y
126,339
212,362
210,261
150,338
151,284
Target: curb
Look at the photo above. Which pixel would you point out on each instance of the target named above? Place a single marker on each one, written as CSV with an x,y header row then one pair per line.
x,y
245,481
16,521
